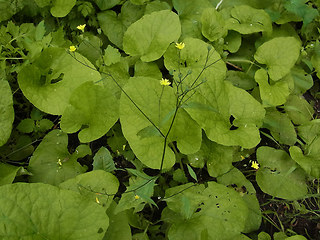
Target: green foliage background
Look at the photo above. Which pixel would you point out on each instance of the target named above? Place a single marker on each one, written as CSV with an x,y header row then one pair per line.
x,y
92,146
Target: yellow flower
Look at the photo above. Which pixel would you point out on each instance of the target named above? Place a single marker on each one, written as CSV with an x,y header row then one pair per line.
x,y
136,197
59,162
72,48
242,157
255,165
81,27
97,200
180,45
165,82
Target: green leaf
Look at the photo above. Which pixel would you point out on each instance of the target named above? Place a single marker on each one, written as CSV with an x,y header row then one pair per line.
x,y
61,8
26,125
232,42
111,55
49,82
280,126
7,173
310,162
99,186
303,10
139,2
241,80
146,92
137,194
302,80
150,36
192,173
246,20
103,160
273,93
86,101
296,237
9,7
279,54
309,131
264,236
246,190
279,175
156,5
104,5
7,112
51,162
44,125
119,227
298,109
144,69
114,26
43,211
190,12
213,24
217,210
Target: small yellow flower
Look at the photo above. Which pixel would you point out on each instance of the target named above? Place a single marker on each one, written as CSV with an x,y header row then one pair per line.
x,y
81,27
242,157
255,165
136,197
165,82
97,200
72,48
180,45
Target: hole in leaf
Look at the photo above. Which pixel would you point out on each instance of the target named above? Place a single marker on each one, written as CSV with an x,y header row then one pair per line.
x,y
231,119
198,210
58,79
100,230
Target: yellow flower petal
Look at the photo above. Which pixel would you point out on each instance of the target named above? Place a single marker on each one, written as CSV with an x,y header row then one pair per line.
x,y
72,48
255,165
81,27
97,200
136,197
180,45
165,82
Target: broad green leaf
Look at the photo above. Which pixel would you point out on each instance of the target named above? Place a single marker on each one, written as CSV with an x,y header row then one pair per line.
x,y
217,210
90,48
26,125
310,162
43,3
104,5
7,173
144,69
111,55
246,20
279,175
103,160
232,41
222,100
119,227
315,59
93,110
241,80
213,24
234,178
309,131
49,82
51,162
273,93
296,237
279,54
190,12
280,126
42,211
298,109
61,8
156,5
302,80
139,2
156,102
114,26
150,36
303,10
264,236
6,110
98,185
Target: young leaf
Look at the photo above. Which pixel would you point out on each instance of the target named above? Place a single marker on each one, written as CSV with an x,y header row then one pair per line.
x,y
103,160
192,173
